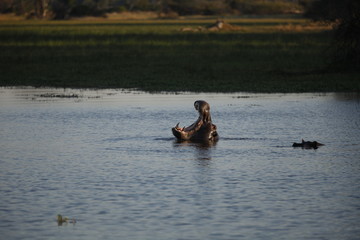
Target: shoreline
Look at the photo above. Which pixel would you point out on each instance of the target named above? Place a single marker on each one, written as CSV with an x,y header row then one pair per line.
x,y
262,56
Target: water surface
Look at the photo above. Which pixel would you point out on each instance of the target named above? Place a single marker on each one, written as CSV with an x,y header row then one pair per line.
x,y
108,159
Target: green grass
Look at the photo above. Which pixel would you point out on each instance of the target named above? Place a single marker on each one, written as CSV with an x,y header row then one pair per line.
x,y
267,55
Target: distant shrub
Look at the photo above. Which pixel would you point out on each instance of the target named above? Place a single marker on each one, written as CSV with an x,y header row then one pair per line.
x,y
84,10
6,6
265,7
326,9
121,9
63,9
140,5
215,8
168,15
346,13
347,43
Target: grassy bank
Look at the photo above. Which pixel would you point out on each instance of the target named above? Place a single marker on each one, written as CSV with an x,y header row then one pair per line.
x,y
265,55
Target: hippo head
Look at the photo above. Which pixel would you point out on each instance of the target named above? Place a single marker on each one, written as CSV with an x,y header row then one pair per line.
x,y
202,129
308,144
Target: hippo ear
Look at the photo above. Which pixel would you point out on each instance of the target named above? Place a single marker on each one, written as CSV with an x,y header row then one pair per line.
x,y
302,140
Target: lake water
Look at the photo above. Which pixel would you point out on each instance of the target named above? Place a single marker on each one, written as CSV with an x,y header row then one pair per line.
x,y
108,159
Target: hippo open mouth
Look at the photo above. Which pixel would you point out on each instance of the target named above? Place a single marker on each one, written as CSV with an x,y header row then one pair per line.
x,y
202,129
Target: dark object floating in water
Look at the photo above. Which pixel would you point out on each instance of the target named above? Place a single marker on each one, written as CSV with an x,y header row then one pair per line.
x,y
202,129
308,144
61,220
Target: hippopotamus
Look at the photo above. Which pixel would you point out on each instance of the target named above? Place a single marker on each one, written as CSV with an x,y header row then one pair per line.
x,y
308,144
202,129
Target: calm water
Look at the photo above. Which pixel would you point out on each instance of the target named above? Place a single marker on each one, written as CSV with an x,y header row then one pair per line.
x,y
108,159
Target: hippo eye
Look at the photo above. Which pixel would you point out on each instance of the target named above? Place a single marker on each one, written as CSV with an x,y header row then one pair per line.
x,y
196,104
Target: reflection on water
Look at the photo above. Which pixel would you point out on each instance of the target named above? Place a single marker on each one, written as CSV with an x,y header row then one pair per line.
x,y
108,159
202,150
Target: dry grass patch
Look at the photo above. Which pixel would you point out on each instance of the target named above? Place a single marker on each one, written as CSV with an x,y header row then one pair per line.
x,y
305,27
132,16
10,17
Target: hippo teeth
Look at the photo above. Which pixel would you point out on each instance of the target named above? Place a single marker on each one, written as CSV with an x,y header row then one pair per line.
x,y
178,128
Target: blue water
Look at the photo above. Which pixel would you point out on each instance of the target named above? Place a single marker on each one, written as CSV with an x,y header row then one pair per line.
x,y
108,159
